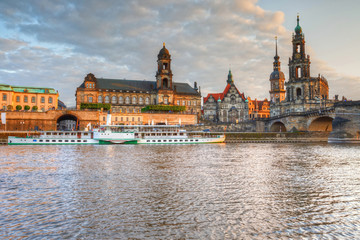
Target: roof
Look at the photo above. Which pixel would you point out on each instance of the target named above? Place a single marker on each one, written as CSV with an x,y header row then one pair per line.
x,y
138,85
216,96
5,87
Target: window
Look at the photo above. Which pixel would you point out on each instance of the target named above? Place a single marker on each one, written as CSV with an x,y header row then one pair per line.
x,y
147,101
33,99
42,99
194,103
138,119
178,102
107,99
127,100
122,119
100,99
133,119
4,97
134,100
17,98
113,99
189,103
116,119
25,98
183,102
141,100
90,99
50,99
127,119
121,100
166,101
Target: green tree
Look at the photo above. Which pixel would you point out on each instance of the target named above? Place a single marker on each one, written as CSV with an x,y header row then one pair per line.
x,y
18,107
34,108
27,107
10,107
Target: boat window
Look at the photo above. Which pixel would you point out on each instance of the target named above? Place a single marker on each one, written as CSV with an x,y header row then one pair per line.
x,y
53,140
175,140
159,140
34,140
191,140
153,140
85,141
61,133
85,134
40,140
147,140
66,140
66,134
48,133
54,133
47,140
170,140
78,140
60,140
180,140
196,140
72,140
186,140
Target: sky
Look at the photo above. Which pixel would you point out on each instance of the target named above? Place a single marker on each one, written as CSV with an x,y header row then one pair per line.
x,y
56,43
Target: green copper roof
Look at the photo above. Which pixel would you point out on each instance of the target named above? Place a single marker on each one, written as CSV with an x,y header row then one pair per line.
x,y
27,89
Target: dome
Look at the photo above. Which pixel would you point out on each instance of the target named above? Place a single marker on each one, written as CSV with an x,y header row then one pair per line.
x,y
164,53
277,75
298,29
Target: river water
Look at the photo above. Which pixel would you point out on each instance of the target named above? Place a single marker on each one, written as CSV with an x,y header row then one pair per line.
x,y
218,191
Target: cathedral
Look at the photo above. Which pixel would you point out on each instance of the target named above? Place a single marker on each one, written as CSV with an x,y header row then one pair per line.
x,y
303,92
130,96
228,106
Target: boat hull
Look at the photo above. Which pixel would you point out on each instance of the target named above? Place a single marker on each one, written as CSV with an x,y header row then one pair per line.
x,y
50,141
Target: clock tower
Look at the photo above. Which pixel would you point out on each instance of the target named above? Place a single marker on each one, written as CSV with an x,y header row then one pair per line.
x,y
277,79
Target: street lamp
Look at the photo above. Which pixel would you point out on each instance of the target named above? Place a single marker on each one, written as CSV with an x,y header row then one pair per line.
x,y
22,124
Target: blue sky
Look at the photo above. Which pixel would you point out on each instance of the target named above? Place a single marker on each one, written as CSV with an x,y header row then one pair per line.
x,y
56,43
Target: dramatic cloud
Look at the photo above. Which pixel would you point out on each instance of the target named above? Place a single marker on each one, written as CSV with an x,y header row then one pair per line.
x,y
120,39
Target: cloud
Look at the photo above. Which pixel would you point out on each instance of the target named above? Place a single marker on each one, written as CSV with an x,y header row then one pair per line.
x,y
121,39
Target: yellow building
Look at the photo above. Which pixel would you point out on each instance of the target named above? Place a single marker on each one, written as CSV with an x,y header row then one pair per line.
x,y
258,109
29,98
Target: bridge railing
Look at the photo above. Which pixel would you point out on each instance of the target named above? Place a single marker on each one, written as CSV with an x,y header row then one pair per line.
x,y
318,112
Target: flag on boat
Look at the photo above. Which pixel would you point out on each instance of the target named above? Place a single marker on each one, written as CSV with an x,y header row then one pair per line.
x,y
3,118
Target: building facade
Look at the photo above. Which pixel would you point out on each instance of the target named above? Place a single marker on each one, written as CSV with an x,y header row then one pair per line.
x,y
28,97
130,96
303,92
228,106
258,109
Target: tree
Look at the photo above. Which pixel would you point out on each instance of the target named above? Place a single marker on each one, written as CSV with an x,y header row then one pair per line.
x,y
26,107
34,108
10,107
18,107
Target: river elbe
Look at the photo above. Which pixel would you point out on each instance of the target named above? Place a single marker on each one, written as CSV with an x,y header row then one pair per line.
x,y
218,191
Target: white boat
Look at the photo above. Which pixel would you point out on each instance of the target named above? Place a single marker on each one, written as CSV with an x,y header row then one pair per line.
x,y
54,138
152,134
119,134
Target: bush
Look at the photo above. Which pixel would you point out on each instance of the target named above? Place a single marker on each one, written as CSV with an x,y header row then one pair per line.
x,y
166,108
18,107
10,107
34,108
27,107
105,106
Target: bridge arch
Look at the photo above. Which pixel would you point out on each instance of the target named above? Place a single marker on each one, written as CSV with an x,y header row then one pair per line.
x,y
321,124
278,127
67,122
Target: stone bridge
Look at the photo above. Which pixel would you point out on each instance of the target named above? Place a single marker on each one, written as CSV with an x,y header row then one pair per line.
x,y
342,120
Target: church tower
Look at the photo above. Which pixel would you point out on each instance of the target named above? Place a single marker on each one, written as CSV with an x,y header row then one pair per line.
x,y
299,63
277,79
164,74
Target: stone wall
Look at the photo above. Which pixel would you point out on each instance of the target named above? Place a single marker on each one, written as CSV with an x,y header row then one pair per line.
x,y
347,121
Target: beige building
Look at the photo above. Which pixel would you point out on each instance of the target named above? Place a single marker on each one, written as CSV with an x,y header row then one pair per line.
x,y
130,96
28,97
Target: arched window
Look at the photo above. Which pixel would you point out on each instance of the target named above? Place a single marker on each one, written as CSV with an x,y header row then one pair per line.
x,y
141,100
100,99
147,101
25,98
121,100
134,100
165,83
113,99
127,100
107,99
298,92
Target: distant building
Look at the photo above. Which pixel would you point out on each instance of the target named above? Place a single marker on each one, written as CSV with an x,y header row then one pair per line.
x,y
41,98
130,96
258,109
303,92
277,80
228,106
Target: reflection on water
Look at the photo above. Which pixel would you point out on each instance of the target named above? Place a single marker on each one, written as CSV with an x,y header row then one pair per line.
x,y
220,191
